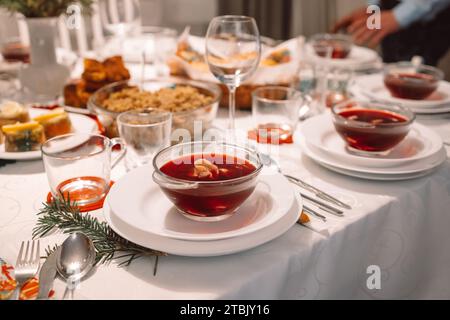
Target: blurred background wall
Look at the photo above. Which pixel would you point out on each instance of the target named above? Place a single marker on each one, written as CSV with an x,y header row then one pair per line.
x,y
279,19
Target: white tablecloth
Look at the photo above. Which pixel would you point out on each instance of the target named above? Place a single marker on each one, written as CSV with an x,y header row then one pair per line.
x,y
402,227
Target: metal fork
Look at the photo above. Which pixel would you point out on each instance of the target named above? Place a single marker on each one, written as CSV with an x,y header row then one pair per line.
x,y
268,161
27,264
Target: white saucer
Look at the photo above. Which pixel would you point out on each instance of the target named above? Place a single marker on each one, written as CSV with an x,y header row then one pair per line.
x,y
360,58
378,177
149,210
420,144
373,87
204,248
408,171
80,124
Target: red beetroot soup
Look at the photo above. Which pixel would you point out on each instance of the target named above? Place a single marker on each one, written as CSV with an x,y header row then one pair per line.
x,y
339,49
414,86
379,136
209,200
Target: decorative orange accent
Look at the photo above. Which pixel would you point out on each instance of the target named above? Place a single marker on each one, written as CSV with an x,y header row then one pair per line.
x,y
271,135
30,289
87,208
303,218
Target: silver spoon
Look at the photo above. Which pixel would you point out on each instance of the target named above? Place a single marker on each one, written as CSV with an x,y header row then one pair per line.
x,y
74,260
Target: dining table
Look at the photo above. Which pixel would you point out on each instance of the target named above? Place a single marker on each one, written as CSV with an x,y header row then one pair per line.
x,y
398,230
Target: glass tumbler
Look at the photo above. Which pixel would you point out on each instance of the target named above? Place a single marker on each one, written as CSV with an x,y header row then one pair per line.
x,y
275,112
145,133
78,166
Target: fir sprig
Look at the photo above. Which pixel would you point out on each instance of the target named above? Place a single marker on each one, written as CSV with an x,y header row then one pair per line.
x,y
64,215
43,8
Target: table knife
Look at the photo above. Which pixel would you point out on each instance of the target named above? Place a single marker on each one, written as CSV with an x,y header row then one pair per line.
x,y
319,193
323,206
47,276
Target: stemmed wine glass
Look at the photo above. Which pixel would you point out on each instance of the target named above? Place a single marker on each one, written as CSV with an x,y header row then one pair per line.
x,y
121,18
233,50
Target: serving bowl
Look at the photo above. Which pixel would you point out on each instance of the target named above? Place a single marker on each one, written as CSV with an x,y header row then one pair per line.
x,y
340,44
201,197
204,114
371,128
407,81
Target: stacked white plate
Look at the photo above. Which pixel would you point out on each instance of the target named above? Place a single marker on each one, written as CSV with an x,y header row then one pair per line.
x,y
372,87
417,155
359,59
139,211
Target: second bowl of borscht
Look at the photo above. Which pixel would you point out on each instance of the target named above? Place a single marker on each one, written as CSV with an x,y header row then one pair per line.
x,y
404,80
371,128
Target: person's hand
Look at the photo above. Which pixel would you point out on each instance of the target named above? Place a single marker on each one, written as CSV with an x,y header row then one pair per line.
x,y
346,21
372,37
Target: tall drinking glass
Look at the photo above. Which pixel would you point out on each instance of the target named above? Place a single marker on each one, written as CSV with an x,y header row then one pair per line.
x,y
233,50
145,133
121,18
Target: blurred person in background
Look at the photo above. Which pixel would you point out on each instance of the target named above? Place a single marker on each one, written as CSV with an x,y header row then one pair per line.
x,y
408,28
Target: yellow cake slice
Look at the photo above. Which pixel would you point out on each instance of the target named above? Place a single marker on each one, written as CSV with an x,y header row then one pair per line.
x,y
22,137
12,112
55,123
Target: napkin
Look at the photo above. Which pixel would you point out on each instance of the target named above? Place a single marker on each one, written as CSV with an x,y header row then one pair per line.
x,y
278,64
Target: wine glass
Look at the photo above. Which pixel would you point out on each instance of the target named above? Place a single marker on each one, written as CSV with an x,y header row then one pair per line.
x,y
121,18
233,51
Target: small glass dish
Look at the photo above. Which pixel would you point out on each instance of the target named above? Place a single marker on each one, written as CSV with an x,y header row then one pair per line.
x,y
406,81
340,45
371,128
205,199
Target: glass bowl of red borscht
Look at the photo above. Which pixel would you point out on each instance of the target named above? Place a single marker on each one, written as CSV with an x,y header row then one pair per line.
x,y
205,180
340,45
371,128
404,80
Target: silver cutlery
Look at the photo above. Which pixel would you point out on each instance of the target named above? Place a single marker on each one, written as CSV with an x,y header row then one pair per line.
x,y
79,111
270,162
74,260
27,264
322,205
314,213
47,276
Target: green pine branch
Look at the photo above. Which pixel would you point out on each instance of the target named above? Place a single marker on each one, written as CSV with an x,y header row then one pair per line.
x,y
63,215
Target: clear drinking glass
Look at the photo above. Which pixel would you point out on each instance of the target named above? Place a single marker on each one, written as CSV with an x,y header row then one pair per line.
x,y
324,50
145,133
78,166
275,112
233,51
159,43
121,18
338,81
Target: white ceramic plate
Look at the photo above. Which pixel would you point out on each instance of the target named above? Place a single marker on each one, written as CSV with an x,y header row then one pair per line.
x,y
373,87
438,110
420,144
407,171
359,58
378,177
205,248
80,123
139,202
